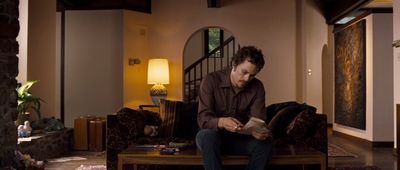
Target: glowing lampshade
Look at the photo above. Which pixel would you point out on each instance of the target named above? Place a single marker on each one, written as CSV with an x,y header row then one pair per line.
x,y
158,74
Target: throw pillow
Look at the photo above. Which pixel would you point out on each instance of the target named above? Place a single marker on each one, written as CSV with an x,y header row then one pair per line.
x,y
187,125
282,119
151,118
318,139
273,109
169,112
301,126
133,122
179,119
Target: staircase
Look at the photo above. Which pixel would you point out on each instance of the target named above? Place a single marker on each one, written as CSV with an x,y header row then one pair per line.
x,y
217,59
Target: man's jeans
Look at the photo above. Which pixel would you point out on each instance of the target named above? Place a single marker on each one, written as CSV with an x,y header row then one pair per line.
x,y
213,142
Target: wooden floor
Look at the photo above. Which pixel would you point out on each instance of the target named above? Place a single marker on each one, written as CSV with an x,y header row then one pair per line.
x,y
366,156
93,158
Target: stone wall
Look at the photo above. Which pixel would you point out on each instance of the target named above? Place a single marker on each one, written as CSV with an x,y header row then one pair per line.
x,y
9,29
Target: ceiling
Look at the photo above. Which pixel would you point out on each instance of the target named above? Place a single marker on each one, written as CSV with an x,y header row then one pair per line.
x,y
134,5
370,6
333,10
379,4
336,10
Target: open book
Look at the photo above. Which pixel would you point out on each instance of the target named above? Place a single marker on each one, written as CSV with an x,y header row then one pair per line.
x,y
254,124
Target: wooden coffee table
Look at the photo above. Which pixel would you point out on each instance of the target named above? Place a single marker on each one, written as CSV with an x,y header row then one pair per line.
x,y
282,156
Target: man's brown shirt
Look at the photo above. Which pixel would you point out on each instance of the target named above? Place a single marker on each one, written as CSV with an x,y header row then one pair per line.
x,y
217,98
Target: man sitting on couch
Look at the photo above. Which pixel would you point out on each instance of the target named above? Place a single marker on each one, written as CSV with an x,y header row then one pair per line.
x,y
227,99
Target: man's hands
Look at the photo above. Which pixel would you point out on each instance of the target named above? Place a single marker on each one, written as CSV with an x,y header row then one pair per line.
x,y
230,124
261,135
233,125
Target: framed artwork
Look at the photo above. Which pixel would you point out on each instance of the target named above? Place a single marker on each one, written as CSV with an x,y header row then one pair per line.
x,y
350,76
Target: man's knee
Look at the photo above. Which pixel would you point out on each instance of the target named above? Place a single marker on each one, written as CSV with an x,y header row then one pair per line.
x,y
208,137
263,146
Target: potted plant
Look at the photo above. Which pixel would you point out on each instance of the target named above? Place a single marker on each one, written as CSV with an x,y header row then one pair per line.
x,y
27,101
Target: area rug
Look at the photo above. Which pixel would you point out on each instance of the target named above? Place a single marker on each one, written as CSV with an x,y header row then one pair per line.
x,y
355,168
66,159
92,167
336,151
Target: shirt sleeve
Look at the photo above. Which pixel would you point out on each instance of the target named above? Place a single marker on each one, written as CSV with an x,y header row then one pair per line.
x,y
206,117
258,109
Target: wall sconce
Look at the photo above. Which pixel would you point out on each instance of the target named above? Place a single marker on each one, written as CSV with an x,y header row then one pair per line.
x,y
158,74
133,61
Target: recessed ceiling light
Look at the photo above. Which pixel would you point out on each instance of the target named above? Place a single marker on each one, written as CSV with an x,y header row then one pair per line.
x,y
345,20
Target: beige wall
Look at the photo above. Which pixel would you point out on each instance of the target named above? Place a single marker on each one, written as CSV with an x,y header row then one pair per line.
x,y
396,60
23,41
194,48
313,43
136,44
58,65
93,63
41,53
379,93
383,126
328,78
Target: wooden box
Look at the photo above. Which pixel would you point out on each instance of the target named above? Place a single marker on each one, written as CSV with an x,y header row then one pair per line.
x,y
81,132
97,135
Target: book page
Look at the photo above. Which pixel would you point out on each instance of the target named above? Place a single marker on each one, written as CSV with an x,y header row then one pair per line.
x,y
254,124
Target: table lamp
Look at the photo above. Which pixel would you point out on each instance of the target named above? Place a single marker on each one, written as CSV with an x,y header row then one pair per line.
x,y
158,74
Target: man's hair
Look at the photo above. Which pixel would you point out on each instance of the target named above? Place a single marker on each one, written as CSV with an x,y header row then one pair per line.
x,y
251,54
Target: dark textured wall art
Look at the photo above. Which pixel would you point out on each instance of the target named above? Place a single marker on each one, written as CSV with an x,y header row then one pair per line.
x,y
350,76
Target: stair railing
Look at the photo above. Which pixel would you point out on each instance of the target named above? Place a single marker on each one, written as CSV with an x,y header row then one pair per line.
x,y
217,59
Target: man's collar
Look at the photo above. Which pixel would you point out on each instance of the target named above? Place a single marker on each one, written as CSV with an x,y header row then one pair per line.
x,y
226,77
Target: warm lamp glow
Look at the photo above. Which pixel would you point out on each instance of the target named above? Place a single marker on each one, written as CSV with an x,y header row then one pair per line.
x,y
158,71
158,74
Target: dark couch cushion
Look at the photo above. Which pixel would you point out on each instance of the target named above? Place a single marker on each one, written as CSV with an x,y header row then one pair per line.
x,y
151,118
273,109
123,128
133,121
302,125
319,138
283,117
169,112
179,119
187,124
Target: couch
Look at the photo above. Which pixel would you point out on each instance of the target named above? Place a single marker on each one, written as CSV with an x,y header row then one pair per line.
x,y
289,122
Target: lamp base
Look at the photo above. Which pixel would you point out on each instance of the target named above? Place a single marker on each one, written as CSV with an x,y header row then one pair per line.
x,y
157,92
